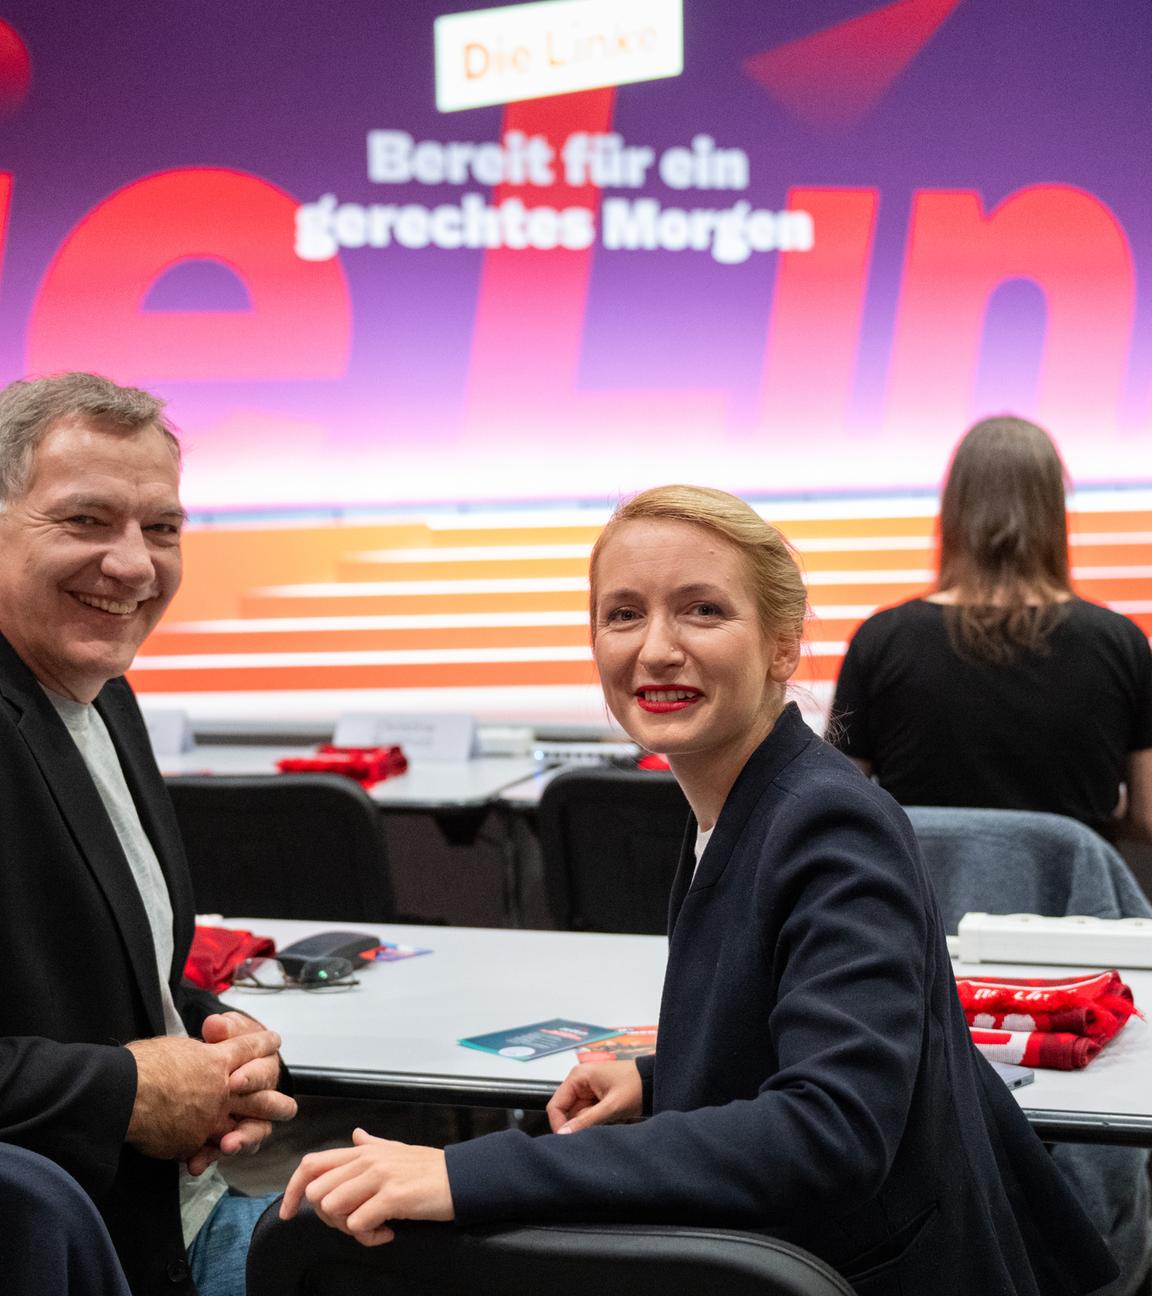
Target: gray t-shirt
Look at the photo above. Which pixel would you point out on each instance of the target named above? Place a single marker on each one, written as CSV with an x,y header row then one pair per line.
x,y
199,1194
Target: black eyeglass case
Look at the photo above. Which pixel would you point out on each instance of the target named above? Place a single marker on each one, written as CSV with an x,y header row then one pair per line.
x,y
325,945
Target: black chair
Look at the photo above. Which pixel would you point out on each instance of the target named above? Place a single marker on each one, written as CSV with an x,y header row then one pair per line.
x,y
610,840
289,846
303,1257
52,1239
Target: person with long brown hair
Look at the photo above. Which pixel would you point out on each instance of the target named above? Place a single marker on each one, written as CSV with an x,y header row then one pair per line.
x,y
1001,688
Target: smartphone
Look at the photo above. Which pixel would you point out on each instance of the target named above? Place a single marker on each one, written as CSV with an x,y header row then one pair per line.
x,y
1012,1075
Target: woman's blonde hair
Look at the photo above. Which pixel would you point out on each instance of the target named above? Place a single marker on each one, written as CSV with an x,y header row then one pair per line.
x,y
780,593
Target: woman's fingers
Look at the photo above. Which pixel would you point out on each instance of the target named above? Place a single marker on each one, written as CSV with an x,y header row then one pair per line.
x,y
572,1096
359,1189
376,1237
349,1191
601,1113
595,1094
310,1169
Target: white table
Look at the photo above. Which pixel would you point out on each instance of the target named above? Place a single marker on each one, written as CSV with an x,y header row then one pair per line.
x,y
427,785
525,793
394,1037
452,785
246,759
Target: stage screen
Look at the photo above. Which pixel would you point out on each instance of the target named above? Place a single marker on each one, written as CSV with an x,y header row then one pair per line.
x,y
388,261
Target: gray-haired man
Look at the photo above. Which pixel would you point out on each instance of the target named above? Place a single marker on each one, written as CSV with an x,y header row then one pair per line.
x,y
109,1065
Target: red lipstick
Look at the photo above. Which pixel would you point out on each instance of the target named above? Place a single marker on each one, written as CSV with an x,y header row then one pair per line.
x,y
660,699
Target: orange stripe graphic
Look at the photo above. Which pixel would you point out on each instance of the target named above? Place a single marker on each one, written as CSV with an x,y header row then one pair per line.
x,y
244,574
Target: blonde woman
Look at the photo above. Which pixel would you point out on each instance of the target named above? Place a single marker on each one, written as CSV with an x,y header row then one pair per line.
x,y
814,1076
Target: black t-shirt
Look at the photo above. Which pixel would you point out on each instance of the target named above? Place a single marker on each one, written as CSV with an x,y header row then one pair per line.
x,y
1046,731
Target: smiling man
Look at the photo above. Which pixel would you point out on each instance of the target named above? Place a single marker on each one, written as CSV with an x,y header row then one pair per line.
x,y
98,1069
91,553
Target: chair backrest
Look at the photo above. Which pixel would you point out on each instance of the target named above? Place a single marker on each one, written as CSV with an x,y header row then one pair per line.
x,y
284,846
610,840
294,1257
52,1239
1017,861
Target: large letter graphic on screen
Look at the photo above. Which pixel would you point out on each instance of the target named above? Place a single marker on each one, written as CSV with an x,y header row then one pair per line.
x,y
1064,240
814,332
5,197
88,312
530,312
522,381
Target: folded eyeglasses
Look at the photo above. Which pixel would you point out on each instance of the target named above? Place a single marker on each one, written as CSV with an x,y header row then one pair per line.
x,y
267,975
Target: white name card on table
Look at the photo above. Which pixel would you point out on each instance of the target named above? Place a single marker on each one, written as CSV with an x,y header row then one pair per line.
x,y
436,737
169,732
1072,941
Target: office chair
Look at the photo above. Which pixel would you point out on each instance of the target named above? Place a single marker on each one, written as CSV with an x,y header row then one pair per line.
x,y
1016,861
303,1257
53,1239
284,846
610,841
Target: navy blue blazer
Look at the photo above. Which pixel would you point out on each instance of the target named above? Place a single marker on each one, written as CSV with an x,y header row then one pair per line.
x,y
53,1240
814,1076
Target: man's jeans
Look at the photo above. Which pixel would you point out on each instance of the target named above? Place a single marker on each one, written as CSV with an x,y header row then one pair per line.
x,y
219,1251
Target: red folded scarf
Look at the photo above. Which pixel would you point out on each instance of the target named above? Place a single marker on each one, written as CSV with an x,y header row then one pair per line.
x,y
367,765
217,952
1055,1022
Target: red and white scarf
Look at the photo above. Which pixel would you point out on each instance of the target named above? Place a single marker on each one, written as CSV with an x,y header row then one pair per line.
x,y
1060,1023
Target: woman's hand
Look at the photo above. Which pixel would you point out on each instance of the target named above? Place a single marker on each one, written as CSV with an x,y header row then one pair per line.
x,y
597,1093
359,1189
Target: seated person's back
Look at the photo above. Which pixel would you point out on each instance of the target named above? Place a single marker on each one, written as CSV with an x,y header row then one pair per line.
x,y
1046,730
1001,688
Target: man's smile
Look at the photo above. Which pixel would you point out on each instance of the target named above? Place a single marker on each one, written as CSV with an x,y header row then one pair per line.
x,y
117,607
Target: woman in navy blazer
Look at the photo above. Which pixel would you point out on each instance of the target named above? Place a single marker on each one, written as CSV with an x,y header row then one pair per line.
x,y
814,1077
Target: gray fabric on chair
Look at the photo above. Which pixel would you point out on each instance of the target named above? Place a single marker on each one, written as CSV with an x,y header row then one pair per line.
x,y
1015,861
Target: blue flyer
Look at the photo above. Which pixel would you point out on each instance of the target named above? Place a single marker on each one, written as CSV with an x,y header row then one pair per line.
x,y
526,1043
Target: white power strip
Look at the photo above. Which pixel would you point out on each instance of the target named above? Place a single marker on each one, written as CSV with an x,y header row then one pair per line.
x,y
584,753
1074,941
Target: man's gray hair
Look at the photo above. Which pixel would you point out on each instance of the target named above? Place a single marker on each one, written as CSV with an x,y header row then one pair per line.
x,y
31,407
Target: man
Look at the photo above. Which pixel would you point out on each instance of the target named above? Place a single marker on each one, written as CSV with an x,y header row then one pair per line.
x,y
100,1067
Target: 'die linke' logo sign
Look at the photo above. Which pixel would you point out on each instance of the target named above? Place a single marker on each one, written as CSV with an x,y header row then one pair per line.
x,y
532,51
560,49
729,233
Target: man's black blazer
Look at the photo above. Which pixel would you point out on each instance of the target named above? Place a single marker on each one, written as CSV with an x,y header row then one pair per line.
x,y
78,976
814,1075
